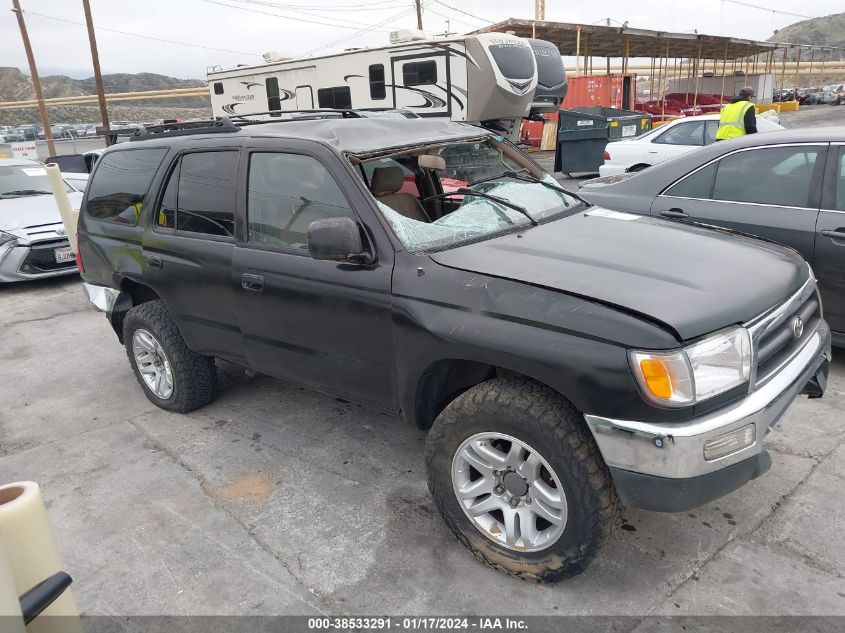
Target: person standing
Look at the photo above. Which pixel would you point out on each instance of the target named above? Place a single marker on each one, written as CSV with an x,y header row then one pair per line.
x,y
739,117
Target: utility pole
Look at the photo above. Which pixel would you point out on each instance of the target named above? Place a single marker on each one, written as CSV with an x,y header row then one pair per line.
x,y
36,81
95,58
418,4
540,10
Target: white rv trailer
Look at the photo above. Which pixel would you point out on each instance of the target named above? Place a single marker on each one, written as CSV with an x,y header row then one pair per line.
x,y
488,78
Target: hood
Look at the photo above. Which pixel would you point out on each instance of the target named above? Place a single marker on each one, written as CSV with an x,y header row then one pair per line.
x,y
33,217
691,279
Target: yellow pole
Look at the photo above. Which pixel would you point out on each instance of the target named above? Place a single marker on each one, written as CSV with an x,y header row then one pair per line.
x,y
577,49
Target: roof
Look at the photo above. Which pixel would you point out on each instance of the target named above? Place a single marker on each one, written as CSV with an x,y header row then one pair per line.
x,y
610,41
352,135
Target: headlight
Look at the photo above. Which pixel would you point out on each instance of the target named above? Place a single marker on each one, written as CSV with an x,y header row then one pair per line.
x,y
695,373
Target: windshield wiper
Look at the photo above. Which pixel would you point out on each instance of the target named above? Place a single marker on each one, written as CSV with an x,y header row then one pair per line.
x,y
525,178
25,192
463,191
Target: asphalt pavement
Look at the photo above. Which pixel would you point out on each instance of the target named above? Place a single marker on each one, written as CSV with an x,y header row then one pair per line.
x,y
275,499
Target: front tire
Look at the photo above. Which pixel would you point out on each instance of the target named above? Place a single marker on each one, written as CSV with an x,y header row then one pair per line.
x,y
171,375
520,481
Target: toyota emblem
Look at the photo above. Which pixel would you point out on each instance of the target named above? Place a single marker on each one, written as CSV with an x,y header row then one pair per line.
x,y
797,327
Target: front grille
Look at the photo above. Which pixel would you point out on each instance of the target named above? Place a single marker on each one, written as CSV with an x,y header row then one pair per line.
x,y
42,259
775,342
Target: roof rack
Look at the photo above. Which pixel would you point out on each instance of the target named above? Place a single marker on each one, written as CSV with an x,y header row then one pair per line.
x,y
235,122
211,126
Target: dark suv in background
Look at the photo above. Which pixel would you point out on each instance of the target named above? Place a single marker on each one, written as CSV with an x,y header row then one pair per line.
x,y
564,358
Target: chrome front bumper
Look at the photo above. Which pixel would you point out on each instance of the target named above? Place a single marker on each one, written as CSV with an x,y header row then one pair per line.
x,y
676,450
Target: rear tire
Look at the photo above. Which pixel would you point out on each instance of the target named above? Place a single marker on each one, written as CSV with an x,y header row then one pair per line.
x,y
156,350
540,421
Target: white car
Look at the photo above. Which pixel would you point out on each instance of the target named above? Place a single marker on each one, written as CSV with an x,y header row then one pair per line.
x,y
667,141
33,241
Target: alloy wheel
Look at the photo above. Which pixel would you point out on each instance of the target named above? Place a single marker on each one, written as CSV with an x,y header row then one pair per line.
x,y
509,492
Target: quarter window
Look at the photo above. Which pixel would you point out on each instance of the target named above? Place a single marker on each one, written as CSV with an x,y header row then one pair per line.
x,y
200,194
338,97
287,192
697,185
121,182
377,91
773,175
419,73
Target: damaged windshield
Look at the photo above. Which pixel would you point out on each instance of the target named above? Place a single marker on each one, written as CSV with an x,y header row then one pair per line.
x,y
445,195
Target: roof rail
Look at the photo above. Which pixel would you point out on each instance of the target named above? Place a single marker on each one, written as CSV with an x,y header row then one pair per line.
x,y
279,116
210,126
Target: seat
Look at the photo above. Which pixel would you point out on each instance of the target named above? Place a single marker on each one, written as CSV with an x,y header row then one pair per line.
x,y
385,185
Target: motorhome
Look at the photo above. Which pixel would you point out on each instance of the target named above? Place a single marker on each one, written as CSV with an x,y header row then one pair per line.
x,y
488,79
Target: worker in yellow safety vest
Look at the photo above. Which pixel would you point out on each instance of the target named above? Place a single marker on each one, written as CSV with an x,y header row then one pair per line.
x,y
739,117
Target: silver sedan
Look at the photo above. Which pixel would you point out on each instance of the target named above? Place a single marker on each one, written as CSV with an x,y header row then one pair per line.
x,y
33,242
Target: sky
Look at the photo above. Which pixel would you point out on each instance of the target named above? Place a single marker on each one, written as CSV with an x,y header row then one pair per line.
x,y
241,30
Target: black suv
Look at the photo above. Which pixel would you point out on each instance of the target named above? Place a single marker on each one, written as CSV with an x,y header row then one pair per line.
x,y
565,358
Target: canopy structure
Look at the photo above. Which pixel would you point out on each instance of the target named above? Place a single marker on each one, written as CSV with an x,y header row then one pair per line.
x,y
623,41
695,54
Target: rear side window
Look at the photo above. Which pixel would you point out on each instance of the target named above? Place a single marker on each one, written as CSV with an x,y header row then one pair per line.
x,y
773,175
218,87
200,194
121,182
419,73
691,133
840,181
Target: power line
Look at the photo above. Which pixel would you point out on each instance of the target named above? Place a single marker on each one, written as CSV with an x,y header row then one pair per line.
x,y
287,17
767,9
146,37
362,31
449,17
464,12
327,7
382,6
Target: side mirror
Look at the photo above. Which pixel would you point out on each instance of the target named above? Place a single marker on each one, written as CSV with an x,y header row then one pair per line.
x,y
338,240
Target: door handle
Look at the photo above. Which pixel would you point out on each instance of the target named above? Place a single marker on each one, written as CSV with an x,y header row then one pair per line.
x,y
837,234
252,282
674,213
155,262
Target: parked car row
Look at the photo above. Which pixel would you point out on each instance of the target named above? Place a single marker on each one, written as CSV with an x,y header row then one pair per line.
x,y
829,95
667,141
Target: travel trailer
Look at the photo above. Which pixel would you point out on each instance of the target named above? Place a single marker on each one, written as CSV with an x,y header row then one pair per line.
x,y
487,79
